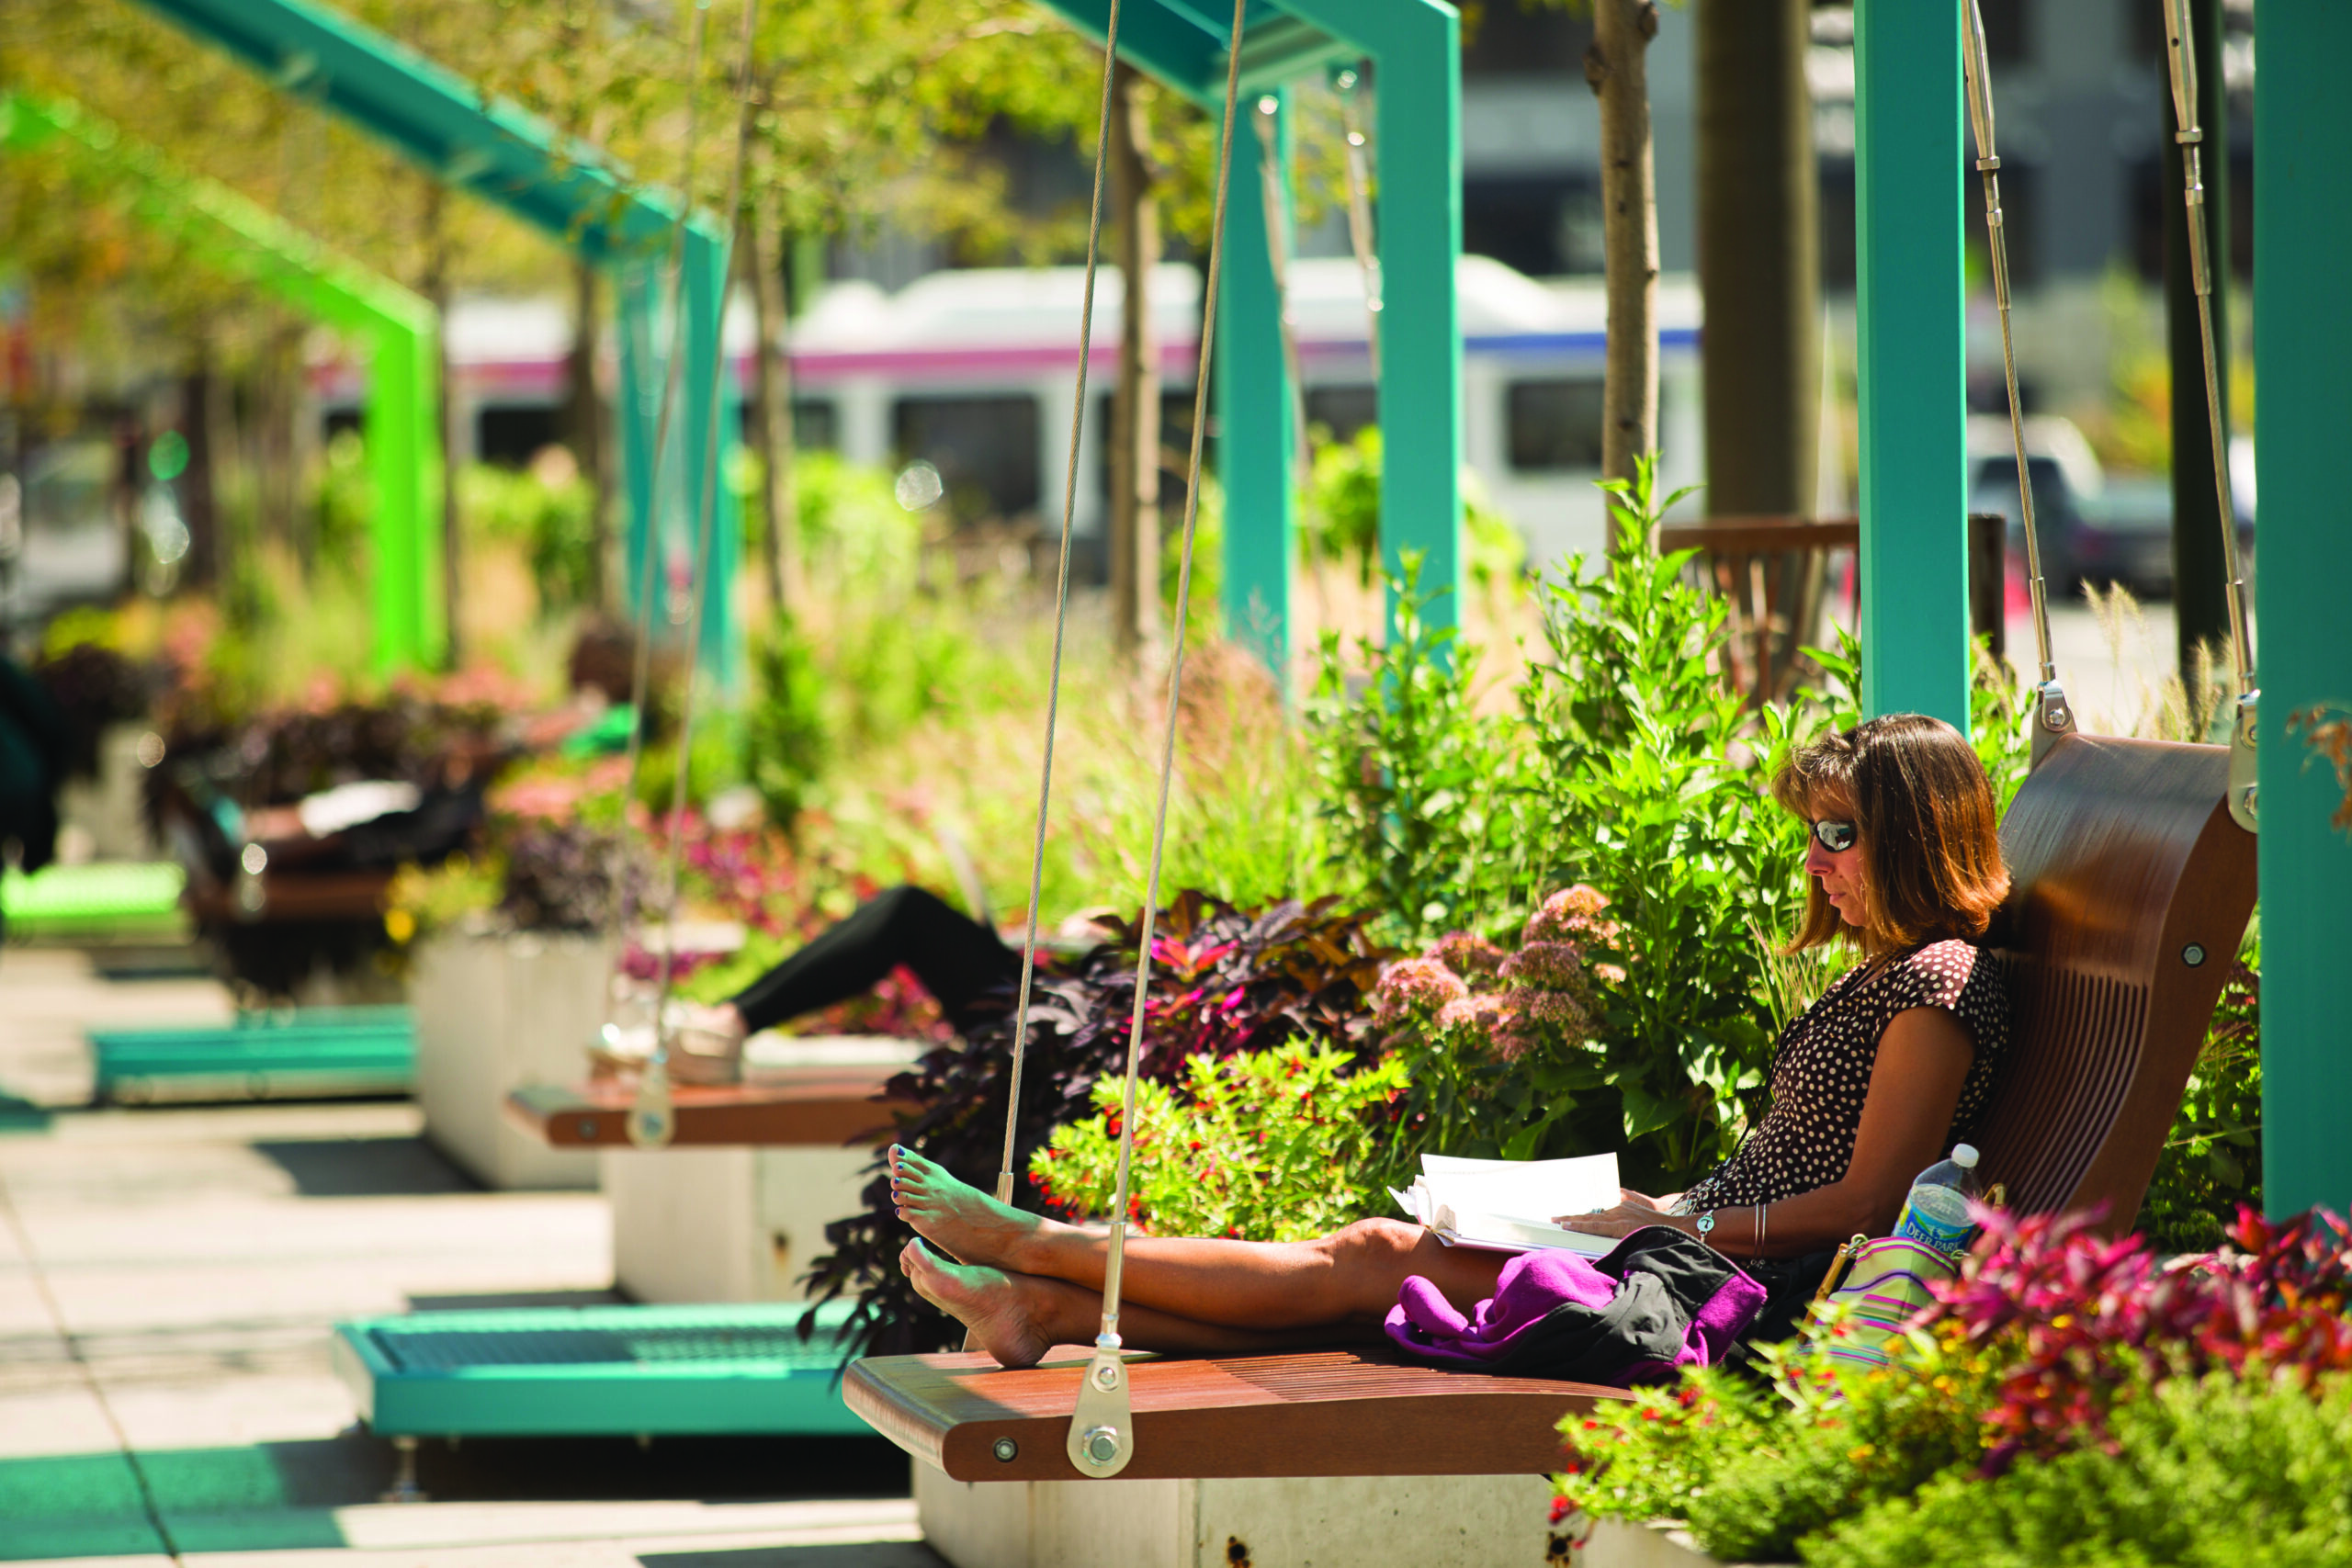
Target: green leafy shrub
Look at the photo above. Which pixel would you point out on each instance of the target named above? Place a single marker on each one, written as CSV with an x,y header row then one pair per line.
x,y
1264,1146
2040,1360
2211,1162
550,512
1415,781
2215,1471
1648,784
786,740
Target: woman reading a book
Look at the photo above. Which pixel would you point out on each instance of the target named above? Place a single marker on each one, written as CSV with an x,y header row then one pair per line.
x,y
1873,1083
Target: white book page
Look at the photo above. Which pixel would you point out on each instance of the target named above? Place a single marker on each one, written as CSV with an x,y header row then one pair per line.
x,y
1510,1204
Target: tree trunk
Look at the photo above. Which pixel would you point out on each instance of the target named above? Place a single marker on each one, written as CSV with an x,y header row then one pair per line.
x,y
1134,402
772,433
434,287
585,423
2200,599
198,493
1616,66
1758,255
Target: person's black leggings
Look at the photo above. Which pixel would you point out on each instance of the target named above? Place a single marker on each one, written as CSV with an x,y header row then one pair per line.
x,y
957,959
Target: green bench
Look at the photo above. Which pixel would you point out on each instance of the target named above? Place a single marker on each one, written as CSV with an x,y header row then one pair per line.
x,y
311,1051
641,1371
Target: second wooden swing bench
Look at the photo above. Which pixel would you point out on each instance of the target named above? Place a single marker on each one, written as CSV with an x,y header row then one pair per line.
x,y
2132,886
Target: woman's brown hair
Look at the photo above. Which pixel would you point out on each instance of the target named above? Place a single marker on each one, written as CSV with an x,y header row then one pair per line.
x,y
1929,830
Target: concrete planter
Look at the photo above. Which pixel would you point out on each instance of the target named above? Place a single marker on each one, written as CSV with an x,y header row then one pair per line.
x,y
724,1224
1411,1521
105,814
1662,1543
495,1012
741,1224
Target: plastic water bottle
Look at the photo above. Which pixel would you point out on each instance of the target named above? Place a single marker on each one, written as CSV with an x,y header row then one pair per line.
x,y
1935,1215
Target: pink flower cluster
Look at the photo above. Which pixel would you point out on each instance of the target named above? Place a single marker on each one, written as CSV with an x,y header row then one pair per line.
x,y
1415,987
1573,915
1508,1000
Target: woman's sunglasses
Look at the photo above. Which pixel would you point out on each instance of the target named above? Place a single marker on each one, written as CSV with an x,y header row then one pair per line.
x,y
1834,837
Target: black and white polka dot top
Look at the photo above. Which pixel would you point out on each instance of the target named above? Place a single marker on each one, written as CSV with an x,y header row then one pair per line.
x,y
1821,1071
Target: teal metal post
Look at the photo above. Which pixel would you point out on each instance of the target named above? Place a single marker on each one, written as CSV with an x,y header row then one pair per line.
x,y
1416,49
670,500
1911,361
708,394
1419,124
404,464
2303,343
636,410
1257,429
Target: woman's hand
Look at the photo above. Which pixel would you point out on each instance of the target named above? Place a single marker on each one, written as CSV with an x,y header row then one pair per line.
x,y
1635,1213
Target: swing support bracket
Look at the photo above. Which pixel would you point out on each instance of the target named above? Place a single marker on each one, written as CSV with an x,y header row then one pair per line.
x,y
1102,1426
2052,719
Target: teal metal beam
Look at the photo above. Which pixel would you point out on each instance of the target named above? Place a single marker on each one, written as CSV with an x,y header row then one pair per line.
x,y
1911,365
2303,343
1257,407
566,189
399,329
1415,46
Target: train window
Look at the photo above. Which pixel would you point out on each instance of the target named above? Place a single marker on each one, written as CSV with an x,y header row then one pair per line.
x,y
1555,423
984,447
1175,447
816,424
1344,410
511,436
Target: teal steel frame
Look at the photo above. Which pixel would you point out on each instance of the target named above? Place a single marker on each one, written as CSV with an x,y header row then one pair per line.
x,y
1416,49
2302,355
1911,370
571,193
399,327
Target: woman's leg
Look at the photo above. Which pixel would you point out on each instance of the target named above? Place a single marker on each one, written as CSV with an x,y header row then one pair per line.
x,y
1018,1317
957,959
1349,1277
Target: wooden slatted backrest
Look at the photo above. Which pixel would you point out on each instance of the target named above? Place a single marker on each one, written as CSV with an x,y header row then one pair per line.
x,y
2131,888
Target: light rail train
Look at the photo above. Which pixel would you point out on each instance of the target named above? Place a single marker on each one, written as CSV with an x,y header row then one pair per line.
x,y
972,371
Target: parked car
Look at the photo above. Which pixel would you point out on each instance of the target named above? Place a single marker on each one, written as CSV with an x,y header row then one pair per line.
x,y
2091,527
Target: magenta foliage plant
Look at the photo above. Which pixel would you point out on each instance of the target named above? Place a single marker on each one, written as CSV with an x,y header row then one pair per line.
x,y
2078,1319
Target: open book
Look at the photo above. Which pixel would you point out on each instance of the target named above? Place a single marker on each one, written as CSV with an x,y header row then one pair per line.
x,y
1507,1205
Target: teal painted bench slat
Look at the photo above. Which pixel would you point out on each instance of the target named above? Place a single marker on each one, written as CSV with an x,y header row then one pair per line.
x,y
598,1371
356,1050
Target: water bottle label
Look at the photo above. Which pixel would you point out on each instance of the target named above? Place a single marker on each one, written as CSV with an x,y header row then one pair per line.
x,y
1936,1217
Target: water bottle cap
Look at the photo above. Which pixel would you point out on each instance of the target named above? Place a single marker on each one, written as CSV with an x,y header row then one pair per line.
x,y
1964,1155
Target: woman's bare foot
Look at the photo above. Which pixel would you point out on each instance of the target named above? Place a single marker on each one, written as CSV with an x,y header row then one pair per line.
x,y
986,1300
960,1220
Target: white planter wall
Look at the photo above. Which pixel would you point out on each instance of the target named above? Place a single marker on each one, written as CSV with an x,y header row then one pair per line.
x,y
725,1224
107,808
494,1013
1412,1521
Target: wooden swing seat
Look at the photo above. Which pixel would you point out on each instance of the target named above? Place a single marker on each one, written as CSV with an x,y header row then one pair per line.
x,y
1311,1413
2131,888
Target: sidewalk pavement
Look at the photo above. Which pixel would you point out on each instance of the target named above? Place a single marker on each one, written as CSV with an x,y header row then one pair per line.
x,y
167,1280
